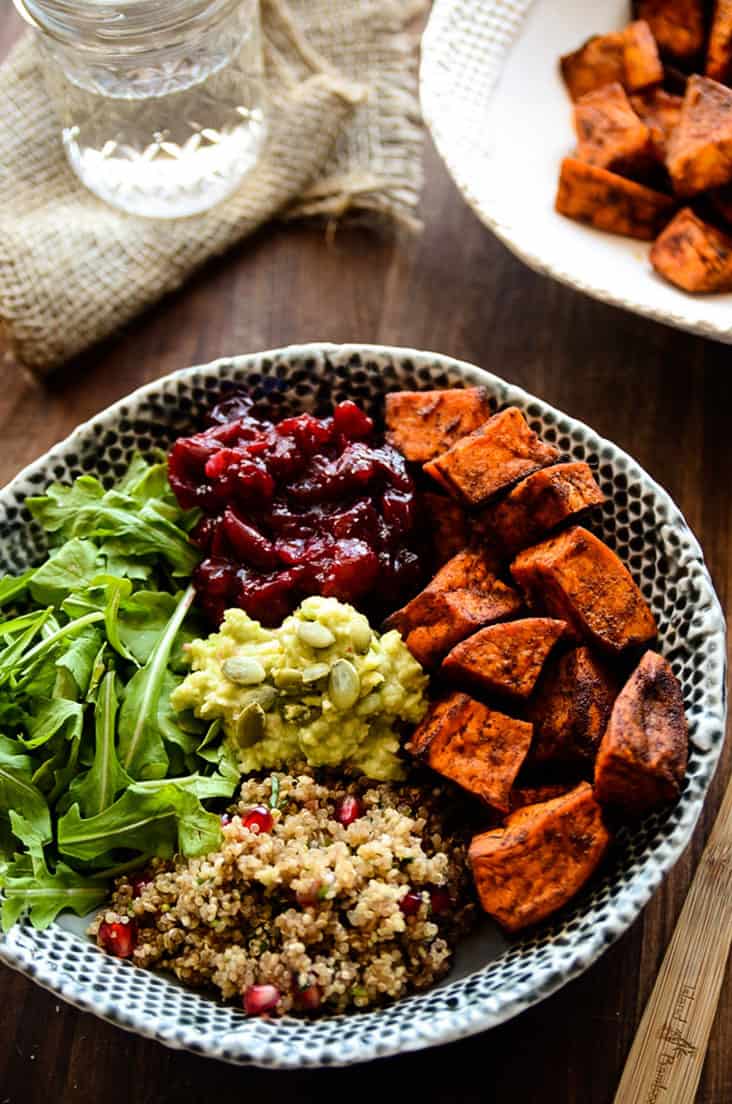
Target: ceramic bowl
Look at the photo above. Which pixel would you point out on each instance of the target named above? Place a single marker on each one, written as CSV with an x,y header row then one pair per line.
x,y
493,978
501,119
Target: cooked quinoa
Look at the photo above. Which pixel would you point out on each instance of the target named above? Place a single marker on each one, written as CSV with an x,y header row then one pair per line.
x,y
333,916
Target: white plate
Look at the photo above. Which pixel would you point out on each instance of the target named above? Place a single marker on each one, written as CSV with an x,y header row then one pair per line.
x,y
501,119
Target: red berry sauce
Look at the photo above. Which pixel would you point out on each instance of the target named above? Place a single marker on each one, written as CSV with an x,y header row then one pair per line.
x,y
304,506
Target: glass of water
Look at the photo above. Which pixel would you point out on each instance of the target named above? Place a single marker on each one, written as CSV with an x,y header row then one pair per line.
x,y
161,102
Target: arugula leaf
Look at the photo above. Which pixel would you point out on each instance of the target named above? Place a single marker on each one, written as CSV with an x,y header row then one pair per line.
x,y
157,821
141,748
58,715
17,791
16,650
12,586
79,660
28,885
69,567
96,790
42,649
85,509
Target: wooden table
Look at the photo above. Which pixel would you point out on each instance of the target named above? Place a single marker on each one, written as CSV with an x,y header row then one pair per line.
x,y
664,396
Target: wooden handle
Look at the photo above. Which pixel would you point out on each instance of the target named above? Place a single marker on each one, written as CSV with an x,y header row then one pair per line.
x,y
666,1059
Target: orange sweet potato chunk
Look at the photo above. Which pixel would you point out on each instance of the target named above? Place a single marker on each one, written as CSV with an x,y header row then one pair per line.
x,y
609,202
578,579
464,596
505,659
609,132
661,112
489,460
642,64
447,526
571,708
693,255
629,57
542,502
719,50
642,758
422,424
475,746
521,796
678,26
721,201
543,856
700,149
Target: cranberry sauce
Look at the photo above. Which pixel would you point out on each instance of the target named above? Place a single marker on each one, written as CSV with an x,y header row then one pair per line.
x,y
306,506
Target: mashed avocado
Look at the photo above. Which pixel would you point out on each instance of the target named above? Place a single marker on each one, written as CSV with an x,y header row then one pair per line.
x,y
324,689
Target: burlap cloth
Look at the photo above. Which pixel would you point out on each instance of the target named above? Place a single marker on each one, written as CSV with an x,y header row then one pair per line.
x,y
344,138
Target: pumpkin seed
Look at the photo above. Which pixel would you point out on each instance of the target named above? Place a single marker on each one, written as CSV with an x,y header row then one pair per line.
x,y
317,671
243,671
250,725
315,634
361,635
288,678
263,696
344,686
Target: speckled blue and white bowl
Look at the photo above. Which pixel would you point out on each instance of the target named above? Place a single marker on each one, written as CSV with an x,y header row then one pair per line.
x,y
493,979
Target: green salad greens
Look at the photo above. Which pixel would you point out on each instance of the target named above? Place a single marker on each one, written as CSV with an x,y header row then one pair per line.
x,y
97,772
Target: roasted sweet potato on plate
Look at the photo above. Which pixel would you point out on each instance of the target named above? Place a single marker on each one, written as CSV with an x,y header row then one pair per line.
x,y
629,57
492,458
641,762
571,707
447,524
540,503
505,659
660,111
700,149
719,49
422,424
521,796
578,579
610,202
464,596
693,255
480,749
678,26
721,201
609,132
543,856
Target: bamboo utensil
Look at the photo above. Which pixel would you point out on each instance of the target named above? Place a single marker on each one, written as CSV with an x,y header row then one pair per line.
x,y
667,1056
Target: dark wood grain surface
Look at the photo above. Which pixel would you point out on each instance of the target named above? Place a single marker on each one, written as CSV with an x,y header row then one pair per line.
x,y
664,396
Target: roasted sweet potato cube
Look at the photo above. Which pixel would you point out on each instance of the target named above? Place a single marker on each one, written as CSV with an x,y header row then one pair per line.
x,y
521,796
719,49
488,461
600,61
505,659
422,424
542,502
693,255
571,708
464,596
721,201
700,148
475,746
640,53
577,578
447,524
609,132
661,112
610,202
642,758
533,866
629,57
678,26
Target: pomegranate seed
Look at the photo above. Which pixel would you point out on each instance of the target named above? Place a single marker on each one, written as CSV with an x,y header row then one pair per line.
x,y
118,939
138,883
410,903
348,809
310,998
440,900
258,819
260,999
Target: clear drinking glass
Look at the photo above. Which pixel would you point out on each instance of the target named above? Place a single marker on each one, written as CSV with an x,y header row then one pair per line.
x,y
161,102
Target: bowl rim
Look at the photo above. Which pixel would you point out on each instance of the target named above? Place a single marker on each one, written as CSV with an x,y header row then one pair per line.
x,y
16,946
437,114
